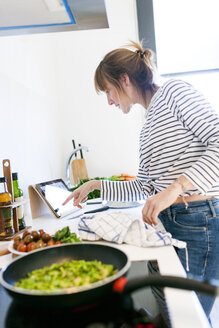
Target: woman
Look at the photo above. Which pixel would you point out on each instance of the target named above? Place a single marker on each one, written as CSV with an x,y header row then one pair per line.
x,y
179,158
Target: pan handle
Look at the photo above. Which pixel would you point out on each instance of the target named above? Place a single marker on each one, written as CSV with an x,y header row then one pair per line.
x,y
122,285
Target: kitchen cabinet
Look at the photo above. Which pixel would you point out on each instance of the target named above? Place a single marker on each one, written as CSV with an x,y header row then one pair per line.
x,y
44,16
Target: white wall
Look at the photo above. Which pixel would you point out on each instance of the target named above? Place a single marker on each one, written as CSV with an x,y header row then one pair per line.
x,y
111,137
47,98
28,105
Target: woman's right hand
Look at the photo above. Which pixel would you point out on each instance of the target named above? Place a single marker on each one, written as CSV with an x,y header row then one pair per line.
x,y
79,195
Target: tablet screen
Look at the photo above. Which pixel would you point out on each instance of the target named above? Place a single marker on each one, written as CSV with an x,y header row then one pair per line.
x,y
55,192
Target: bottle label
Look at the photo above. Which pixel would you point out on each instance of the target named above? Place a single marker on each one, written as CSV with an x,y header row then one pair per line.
x,y
8,224
19,199
20,213
20,209
6,213
5,199
6,221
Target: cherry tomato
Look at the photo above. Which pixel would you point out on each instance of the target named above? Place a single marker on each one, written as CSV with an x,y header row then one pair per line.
x,y
41,232
28,238
46,237
26,232
51,242
16,244
17,238
31,246
22,247
40,243
36,235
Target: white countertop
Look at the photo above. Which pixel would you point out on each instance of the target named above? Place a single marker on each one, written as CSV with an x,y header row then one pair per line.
x,y
184,307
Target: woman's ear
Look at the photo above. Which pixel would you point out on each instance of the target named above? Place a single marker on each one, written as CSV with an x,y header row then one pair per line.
x,y
124,79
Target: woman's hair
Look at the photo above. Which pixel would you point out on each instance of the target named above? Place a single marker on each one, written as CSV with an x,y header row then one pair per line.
x,y
138,64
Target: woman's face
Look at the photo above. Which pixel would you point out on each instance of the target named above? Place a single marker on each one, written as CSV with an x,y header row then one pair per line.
x,y
119,99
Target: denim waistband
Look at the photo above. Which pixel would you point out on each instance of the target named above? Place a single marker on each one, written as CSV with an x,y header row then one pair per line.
x,y
208,204
213,201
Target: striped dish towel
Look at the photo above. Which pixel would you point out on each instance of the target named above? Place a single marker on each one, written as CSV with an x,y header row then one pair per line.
x,y
119,227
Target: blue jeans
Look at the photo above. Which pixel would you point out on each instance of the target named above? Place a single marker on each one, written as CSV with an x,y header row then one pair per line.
x,y
198,226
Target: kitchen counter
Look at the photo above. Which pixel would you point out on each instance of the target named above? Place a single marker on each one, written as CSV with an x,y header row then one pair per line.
x,y
184,307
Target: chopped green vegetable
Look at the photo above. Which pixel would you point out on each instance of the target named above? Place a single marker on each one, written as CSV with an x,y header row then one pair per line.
x,y
66,275
115,177
66,236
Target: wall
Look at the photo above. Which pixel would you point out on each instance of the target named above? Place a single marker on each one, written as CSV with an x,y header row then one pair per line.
x,y
28,107
111,137
47,98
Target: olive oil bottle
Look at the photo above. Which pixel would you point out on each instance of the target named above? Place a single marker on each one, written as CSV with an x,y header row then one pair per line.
x,y
18,197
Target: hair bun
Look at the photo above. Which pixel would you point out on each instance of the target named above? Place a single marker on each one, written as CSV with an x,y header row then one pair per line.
x,y
140,53
148,53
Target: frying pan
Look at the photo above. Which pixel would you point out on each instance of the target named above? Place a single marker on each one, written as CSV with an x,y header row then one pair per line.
x,y
78,296
75,296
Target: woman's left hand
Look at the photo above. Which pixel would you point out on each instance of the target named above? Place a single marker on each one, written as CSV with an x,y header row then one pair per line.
x,y
157,203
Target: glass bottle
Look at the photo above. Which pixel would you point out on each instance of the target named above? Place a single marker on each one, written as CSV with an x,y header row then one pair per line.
x,y
18,197
6,212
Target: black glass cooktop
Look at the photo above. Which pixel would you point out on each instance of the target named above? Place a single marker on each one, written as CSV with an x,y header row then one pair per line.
x,y
115,312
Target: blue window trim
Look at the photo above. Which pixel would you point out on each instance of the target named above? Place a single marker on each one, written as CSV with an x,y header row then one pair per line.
x,y
65,3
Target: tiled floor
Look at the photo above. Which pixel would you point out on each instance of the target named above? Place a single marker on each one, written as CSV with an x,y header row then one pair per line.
x,y
215,314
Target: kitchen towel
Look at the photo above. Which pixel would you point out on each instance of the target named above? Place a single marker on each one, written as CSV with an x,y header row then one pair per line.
x,y
119,227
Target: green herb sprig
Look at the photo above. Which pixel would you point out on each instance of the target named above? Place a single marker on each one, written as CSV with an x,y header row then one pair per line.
x,y
66,236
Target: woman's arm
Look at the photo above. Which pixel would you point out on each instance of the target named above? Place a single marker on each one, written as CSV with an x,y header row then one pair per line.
x,y
157,203
80,194
121,191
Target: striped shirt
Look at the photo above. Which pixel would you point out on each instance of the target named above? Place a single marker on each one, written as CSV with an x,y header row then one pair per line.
x,y
179,137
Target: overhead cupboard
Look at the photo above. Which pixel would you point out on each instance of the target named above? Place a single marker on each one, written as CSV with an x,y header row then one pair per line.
x,y
45,16
183,33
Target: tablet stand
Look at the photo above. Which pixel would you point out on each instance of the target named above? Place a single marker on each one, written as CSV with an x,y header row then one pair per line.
x,y
38,204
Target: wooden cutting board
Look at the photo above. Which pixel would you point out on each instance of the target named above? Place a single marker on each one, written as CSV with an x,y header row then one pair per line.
x,y
79,170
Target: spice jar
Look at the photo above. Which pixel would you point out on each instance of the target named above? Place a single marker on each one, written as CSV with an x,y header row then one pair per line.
x,y
6,212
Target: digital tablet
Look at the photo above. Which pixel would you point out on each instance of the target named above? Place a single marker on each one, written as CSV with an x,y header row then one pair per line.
x,y
54,193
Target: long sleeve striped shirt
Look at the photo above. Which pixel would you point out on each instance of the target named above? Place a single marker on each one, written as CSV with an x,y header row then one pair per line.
x,y
180,136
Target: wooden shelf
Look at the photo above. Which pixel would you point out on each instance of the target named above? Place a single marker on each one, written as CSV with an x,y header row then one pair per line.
x,y
16,204
8,238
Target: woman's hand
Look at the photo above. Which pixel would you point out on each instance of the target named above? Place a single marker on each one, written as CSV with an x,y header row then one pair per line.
x,y
157,203
80,195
